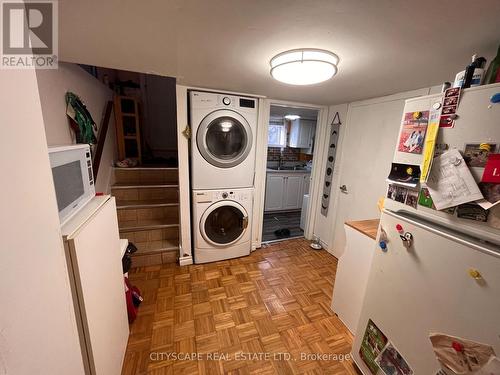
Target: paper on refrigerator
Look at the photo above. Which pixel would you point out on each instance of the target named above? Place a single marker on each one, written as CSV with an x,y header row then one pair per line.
x,y
430,144
450,182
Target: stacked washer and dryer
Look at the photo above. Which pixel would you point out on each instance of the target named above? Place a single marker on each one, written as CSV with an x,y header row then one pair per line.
x,y
224,129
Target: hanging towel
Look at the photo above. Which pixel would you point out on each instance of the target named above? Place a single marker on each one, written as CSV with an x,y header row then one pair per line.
x,y
81,120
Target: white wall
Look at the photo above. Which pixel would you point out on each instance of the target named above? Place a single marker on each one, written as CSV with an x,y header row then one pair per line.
x,y
53,85
38,332
368,136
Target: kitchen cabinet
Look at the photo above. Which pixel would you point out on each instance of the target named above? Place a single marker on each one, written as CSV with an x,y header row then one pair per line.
x,y
302,133
285,190
276,136
292,196
275,187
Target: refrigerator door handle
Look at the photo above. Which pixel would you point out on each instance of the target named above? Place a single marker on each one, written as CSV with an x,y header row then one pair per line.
x,y
473,242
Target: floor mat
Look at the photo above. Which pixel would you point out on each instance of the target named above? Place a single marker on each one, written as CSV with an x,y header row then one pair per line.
x,y
280,225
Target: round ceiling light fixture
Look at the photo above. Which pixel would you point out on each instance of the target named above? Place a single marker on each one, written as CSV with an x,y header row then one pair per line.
x,y
292,117
304,66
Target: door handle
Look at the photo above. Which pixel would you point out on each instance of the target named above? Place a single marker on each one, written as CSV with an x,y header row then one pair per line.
x,y
343,189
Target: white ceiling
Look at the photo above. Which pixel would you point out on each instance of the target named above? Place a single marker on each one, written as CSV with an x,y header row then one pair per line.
x,y
385,46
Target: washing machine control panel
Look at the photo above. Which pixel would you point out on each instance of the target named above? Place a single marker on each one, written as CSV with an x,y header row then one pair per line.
x,y
231,195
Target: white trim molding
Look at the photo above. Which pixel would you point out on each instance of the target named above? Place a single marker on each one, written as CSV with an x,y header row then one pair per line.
x,y
261,166
185,248
260,172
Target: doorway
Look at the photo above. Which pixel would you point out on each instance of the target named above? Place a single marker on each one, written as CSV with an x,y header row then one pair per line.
x,y
145,114
290,146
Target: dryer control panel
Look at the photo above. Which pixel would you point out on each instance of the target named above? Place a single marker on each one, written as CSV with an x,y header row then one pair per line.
x,y
214,100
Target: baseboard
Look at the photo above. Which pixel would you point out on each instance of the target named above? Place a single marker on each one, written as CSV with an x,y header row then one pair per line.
x,y
186,260
323,244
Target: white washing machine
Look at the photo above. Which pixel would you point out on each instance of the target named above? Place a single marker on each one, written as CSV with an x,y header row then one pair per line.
x,y
224,129
221,224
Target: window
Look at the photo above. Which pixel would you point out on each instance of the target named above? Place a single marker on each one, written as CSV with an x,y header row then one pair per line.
x,y
277,133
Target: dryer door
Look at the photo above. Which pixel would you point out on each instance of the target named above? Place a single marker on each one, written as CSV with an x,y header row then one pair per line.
x,y
223,223
224,138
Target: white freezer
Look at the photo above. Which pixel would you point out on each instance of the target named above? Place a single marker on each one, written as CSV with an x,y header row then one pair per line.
x,y
477,122
427,288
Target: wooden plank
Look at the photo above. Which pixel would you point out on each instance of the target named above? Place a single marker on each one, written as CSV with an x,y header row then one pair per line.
x,y
101,138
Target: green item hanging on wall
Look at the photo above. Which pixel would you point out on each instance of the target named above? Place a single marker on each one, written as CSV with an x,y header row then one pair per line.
x,y
81,120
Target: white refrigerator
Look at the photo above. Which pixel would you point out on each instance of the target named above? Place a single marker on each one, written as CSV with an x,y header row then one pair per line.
x,y
448,280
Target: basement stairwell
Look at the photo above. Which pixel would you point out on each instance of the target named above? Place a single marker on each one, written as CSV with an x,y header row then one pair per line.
x,y
147,200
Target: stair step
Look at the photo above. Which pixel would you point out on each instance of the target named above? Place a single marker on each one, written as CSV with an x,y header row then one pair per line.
x,y
127,217
152,247
151,235
147,200
146,176
144,168
125,185
138,194
143,203
146,224
163,257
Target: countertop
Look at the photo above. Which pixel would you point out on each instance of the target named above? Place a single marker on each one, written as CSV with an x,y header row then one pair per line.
x,y
367,227
305,171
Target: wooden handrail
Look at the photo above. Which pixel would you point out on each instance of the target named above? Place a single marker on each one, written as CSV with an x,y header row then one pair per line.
x,y
101,138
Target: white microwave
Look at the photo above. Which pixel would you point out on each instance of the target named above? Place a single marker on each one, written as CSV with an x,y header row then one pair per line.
x,y
73,178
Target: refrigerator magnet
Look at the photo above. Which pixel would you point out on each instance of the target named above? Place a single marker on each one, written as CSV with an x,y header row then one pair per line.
x,y
491,172
476,154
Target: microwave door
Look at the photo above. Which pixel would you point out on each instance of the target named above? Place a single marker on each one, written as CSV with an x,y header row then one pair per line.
x,y
73,179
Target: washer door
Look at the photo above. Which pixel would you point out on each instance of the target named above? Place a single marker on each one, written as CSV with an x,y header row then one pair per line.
x,y
224,138
223,223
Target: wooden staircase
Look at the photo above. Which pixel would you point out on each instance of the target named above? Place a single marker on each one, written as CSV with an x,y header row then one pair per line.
x,y
147,201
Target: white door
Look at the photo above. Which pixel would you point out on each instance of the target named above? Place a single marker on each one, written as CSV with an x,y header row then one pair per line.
x,y
365,163
292,199
275,187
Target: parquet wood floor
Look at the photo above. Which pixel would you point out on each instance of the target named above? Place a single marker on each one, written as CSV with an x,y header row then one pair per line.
x,y
261,314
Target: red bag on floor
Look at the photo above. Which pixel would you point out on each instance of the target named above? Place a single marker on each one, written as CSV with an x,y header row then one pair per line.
x,y
133,298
